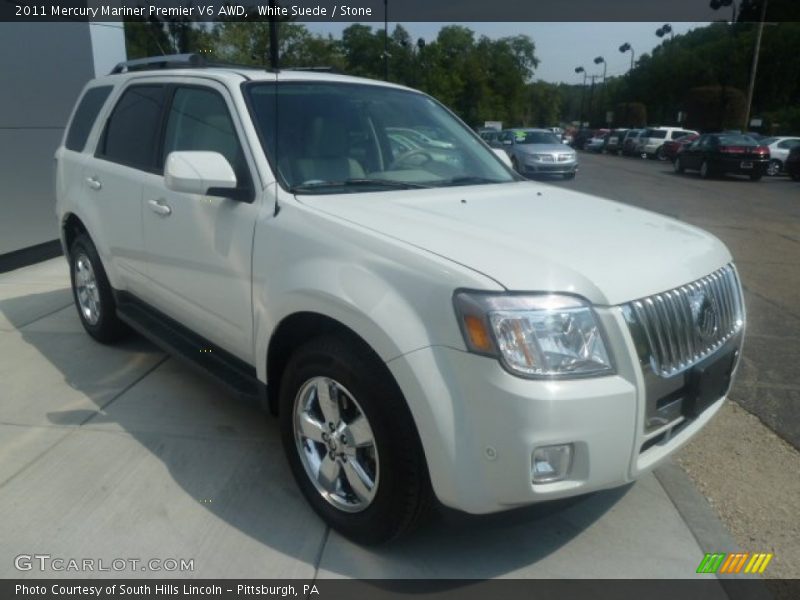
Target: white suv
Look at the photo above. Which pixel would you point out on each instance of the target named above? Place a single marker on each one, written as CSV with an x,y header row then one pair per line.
x,y
650,143
424,322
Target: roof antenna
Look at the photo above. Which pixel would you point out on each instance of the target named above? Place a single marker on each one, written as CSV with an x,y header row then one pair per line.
x,y
273,35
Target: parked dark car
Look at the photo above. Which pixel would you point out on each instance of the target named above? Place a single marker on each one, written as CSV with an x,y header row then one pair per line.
x,y
615,138
671,148
581,137
630,140
717,153
792,164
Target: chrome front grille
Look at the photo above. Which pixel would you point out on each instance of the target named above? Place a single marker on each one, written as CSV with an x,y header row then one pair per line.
x,y
680,327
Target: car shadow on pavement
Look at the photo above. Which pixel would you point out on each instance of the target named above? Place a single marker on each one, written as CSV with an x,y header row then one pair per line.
x,y
225,457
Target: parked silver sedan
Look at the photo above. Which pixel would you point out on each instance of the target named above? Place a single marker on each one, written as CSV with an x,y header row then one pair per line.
x,y
538,152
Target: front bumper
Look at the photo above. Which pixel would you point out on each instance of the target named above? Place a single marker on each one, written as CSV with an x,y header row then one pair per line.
x,y
555,168
479,424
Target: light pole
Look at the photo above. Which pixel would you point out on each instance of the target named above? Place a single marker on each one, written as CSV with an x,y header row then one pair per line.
x,y
665,29
625,48
583,93
754,66
598,60
726,73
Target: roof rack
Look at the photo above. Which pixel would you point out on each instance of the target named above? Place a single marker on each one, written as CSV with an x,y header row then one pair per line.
x,y
168,61
175,61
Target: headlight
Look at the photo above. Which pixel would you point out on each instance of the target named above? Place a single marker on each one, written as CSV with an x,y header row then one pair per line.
x,y
537,336
538,157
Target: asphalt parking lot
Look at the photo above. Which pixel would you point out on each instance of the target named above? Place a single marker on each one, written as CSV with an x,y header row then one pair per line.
x,y
122,452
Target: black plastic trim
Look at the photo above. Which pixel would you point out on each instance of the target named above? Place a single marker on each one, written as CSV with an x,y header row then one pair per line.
x,y
195,350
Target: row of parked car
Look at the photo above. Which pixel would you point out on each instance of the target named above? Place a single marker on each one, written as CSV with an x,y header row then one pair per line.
x,y
748,153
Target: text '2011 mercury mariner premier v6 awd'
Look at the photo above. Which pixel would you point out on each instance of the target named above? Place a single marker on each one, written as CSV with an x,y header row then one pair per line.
x,y
424,322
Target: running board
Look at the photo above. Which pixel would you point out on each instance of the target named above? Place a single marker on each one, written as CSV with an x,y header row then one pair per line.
x,y
195,350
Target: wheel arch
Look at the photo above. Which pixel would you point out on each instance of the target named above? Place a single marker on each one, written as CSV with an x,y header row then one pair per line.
x,y
71,227
298,328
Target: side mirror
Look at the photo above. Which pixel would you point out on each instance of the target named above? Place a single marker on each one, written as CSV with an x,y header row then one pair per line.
x,y
501,154
204,173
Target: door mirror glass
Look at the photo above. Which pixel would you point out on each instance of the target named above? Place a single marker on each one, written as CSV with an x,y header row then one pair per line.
x,y
199,172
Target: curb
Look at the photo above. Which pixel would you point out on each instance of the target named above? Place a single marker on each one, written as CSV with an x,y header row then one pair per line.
x,y
709,531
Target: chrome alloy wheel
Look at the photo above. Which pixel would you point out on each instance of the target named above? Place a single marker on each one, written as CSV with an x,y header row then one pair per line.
x,y
336,445
86,289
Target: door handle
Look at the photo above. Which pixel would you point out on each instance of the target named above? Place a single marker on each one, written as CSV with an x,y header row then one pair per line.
x,y
160,207
93,183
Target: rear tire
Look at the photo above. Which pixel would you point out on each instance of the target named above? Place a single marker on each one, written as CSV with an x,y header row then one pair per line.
x,y
392,492
678,165
705,170
92,293
660,153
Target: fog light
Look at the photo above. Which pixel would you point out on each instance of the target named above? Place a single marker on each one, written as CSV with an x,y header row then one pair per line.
x,y
551,463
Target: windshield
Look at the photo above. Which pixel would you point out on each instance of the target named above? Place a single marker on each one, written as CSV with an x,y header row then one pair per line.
x,y
536,137
326,138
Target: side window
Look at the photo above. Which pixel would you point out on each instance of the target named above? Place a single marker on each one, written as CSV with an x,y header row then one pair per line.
x,y
199,120
788,144
131,134
85,116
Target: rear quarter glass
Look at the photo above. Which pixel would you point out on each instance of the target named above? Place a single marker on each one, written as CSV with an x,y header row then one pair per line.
x,y
85,116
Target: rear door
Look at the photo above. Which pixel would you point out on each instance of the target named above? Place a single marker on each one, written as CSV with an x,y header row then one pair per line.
x,y
199,247
125,153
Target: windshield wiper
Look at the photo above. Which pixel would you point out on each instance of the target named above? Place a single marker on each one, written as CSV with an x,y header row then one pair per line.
x,y
469,180
357,182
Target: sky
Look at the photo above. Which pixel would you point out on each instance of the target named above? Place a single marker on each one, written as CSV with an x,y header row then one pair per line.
x,y
560,47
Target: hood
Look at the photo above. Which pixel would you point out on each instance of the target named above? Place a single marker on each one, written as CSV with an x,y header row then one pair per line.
x,y
543,148
537,237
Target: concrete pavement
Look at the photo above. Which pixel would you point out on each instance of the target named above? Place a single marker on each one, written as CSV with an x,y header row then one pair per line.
x,y
122,452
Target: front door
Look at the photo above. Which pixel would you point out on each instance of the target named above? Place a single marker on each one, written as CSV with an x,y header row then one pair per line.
x,y
199,247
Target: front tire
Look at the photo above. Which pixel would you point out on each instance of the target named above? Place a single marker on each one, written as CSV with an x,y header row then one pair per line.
x,y
351,442
705,170
92,293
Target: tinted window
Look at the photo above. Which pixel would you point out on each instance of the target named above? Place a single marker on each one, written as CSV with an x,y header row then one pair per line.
x,y
199,120
85,115
132,130
655,133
